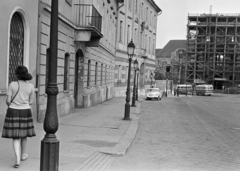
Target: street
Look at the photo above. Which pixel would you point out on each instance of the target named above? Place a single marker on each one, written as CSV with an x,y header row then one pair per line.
x,y
199,133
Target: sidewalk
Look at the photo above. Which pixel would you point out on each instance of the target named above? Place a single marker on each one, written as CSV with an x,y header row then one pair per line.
x,y
88,137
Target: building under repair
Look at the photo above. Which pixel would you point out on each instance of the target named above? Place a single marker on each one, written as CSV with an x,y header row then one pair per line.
x,y
213,49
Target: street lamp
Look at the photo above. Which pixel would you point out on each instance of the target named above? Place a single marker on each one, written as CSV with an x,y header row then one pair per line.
x,y
49,159
137,84
151,76
135,65
130,52
168,68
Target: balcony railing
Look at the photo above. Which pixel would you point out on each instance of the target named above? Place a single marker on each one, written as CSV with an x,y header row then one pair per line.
x,y
87,15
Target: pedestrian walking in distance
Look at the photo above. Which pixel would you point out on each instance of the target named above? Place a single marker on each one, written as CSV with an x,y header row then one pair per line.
x,y
18,124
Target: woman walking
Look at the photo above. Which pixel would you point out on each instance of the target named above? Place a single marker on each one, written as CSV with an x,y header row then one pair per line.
x,y
18,124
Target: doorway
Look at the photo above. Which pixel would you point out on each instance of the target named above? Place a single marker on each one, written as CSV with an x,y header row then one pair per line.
x,y
79,74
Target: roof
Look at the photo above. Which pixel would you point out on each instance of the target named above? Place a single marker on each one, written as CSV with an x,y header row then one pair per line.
x,y
170,47
154,5
157,51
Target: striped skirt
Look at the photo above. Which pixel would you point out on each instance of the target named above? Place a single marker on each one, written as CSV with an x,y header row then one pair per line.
x,y
18,124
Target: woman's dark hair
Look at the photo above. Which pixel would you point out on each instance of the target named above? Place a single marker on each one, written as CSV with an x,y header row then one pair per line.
x,y
22,73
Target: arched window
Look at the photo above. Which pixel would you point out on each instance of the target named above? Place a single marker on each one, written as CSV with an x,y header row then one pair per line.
x,y
89,73
96,73
16,45
66,72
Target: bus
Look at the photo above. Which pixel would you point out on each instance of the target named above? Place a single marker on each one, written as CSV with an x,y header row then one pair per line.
x,y
204,89
184,88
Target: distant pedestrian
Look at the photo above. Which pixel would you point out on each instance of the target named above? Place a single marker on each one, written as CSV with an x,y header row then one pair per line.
x,y
18,124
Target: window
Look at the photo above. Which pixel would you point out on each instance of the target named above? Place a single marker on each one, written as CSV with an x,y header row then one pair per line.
x,y
106,74
141,40
153,47
47,68
149,44
96,73
136,7
126,73
151,18
16,44
119,73
136,36
147,14
66,72
89,73
130,4
128,34
146,42
101,73
121,31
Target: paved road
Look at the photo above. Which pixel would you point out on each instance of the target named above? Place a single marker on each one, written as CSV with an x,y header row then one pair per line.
x,y
186,134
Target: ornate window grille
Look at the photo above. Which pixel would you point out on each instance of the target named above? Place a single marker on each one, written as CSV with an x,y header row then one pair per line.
x,y
16,45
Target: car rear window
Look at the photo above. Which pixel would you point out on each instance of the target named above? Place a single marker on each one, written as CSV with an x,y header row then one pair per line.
x,y
153,90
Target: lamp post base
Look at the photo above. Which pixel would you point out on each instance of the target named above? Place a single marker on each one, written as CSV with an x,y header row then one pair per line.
x,y
49,153
127,112
133,101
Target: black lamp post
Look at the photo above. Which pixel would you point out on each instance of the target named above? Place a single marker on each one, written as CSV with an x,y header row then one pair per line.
x,y
168,68
130,51
151,77
49,159
137,84
135,65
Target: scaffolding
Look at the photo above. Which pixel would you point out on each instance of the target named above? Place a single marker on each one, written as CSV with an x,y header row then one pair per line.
x,y
213,49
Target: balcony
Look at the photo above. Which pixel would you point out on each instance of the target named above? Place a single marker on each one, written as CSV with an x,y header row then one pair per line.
x,y
89,24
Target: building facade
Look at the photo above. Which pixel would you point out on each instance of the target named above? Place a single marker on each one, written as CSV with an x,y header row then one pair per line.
x,y
86,53
174,55
18,45
136,21
213,49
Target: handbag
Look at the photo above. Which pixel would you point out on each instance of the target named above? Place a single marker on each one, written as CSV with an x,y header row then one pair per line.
x,y
15,94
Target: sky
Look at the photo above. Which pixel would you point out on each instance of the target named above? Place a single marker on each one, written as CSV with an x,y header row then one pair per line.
x,y
172,23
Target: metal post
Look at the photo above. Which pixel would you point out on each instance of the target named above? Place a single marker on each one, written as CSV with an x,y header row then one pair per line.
x,y
137,88
134,90
49,159
166,85
127,105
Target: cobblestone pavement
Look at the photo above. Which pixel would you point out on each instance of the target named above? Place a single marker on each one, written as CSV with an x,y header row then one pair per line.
x,y
198,133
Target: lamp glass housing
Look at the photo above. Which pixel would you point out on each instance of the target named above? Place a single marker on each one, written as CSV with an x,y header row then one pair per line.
x,y
130,48
135,64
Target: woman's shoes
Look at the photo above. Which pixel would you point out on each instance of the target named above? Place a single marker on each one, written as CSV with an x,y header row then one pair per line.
x,y
24,157
16,165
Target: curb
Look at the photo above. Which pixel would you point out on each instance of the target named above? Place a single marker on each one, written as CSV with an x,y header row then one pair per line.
x,y
101,160
121,148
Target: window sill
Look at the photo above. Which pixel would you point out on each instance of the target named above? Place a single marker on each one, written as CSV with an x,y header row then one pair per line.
x,y
65,91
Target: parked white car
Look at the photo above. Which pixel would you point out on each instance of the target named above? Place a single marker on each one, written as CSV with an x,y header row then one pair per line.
x,y
153,93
